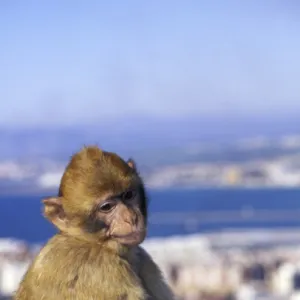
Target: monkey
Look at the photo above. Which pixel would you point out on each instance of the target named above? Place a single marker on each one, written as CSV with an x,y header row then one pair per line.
x,y
100,213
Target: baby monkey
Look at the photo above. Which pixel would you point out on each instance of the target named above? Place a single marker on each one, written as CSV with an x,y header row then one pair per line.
x,y
101,216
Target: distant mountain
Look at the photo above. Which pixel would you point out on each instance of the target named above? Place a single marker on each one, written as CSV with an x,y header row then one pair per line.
x,y
143,137
33,159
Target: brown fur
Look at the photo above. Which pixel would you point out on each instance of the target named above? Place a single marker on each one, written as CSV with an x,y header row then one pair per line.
x,y
93,257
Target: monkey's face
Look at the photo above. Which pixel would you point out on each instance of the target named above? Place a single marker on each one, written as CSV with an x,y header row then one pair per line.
x,y
119,217
101,197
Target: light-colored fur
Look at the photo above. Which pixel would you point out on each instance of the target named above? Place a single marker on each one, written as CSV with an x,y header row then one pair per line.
x,y
97,273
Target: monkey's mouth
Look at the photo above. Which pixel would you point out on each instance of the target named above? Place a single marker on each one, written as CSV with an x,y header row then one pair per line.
x,y
134,237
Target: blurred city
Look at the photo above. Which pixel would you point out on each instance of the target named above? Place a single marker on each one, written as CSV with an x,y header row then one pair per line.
x,y
204,95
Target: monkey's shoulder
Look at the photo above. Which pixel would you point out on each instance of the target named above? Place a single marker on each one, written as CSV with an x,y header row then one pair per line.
x,y
71,256
68,256
68,253
76,268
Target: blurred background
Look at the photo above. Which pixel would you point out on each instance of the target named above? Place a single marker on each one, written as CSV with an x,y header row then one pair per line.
x,y
204,95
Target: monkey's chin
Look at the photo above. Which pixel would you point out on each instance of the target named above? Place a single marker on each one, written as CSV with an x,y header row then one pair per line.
x,y
131,239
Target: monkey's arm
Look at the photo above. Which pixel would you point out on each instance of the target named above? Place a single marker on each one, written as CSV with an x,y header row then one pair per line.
x,y
152,278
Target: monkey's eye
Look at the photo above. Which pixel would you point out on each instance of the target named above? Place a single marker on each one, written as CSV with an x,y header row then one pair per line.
x,y
128,195
107,207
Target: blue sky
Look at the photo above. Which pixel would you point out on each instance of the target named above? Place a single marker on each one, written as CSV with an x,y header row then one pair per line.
x,y
68,62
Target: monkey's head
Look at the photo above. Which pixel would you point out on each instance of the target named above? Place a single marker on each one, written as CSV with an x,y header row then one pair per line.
x,y
101,197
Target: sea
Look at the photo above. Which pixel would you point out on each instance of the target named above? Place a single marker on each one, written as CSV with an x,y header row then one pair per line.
x,y
173,212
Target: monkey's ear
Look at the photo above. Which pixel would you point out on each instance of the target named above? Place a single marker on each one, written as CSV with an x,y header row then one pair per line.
x,y
131,163
54,212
